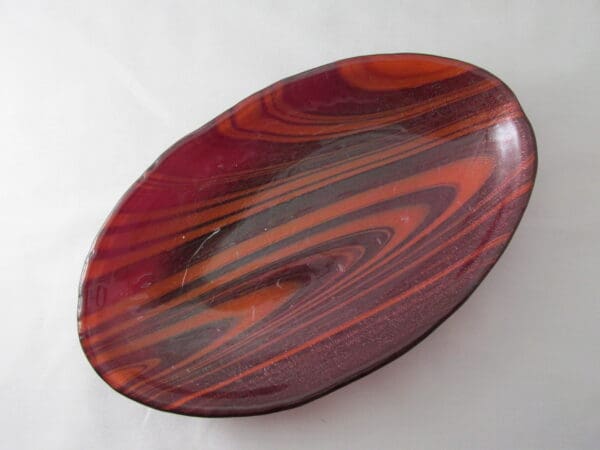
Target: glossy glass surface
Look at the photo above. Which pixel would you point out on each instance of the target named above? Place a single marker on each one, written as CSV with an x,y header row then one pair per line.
x,y
305,237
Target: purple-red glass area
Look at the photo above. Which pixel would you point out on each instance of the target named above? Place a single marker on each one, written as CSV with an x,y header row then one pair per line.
x,y
310,234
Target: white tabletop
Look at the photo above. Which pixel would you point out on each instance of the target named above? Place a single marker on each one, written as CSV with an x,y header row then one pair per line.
x,y
92,92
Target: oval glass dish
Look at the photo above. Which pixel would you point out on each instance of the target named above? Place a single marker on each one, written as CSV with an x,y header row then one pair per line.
x,y
305,237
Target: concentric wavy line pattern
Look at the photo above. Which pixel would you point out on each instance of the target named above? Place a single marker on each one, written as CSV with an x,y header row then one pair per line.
x,y
313,232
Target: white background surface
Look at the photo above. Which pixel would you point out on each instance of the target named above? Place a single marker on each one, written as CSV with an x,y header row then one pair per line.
x,y
92,92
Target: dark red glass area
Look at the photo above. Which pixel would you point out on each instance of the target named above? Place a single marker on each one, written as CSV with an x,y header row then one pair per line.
x,y
310,234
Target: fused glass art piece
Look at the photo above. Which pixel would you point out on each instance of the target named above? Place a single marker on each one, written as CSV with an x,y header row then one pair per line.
x,y
307,236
